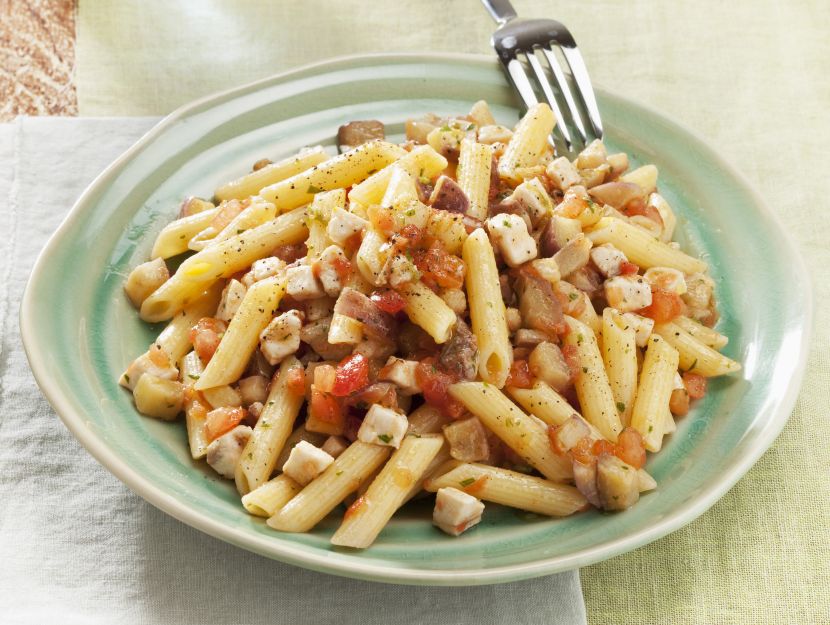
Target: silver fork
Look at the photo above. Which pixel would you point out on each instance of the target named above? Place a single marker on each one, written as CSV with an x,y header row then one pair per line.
x,y
517,39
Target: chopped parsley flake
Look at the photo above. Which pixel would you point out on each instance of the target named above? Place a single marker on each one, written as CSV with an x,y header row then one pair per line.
x,y
620,406
467,482
313,189
386,438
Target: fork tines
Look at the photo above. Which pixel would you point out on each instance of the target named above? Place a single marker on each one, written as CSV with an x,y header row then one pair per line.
x,y
518,44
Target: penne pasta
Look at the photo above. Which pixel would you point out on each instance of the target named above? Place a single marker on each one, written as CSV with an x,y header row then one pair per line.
x,y
256,214
487,310
523,434
367,516
317,220
344,476
474,164
619,353
529,141
653,392
337,172
592,386
265,500
511,488
702,333
546,404
175,237
240,340
222,261
401,186
251,184
259,457
195,408
423,162
695,357
427,310
640,247
175,338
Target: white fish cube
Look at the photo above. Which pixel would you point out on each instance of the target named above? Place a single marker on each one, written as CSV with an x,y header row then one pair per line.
x,y
401,373
512,238
493,133
223,454
343,225
456,511
329,276
281,337
231,299
383,426
302,284
563,173
266,267
643,327
608,259
627,293
305,462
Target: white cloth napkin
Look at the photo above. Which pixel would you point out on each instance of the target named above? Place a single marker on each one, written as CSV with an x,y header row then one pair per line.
x,y
76,546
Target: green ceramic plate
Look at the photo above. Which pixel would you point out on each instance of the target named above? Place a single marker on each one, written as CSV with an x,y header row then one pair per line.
x,y
78,349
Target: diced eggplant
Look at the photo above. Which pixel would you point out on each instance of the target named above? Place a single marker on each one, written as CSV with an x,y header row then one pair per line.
x,y
357,133
448,196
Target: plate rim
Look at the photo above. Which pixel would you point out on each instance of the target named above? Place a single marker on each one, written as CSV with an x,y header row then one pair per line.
x,y
297,554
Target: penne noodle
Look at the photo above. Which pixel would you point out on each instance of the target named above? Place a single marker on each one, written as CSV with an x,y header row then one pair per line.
x,y
241,338
696,357
317,220
222,260
252,216
423,162
525,435
371,257
592,386
546,404
265,500
176,236
511,488
195,408
474,164
529,141
337,172
619,353
487,310
259,457
640,247
251,184
343,477
175,338
427,310
401,186
365,518
702,333
654,390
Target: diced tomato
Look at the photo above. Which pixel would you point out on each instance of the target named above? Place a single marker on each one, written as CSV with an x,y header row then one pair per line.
x,y
628,269
630,448
324,407
159,357
476,487
435,385
553,440
222,420
638,207
581,452
351,376
679,402
571,355
206,336
388,301
602,446
695,385
519,375
439,267
381,218
354,508
295,381
342,266
664,307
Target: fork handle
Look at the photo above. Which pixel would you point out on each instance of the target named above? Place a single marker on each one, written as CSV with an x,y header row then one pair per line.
x,y
500,10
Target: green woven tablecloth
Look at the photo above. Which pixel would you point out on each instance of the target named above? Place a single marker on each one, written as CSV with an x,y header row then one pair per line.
x,y
749,75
